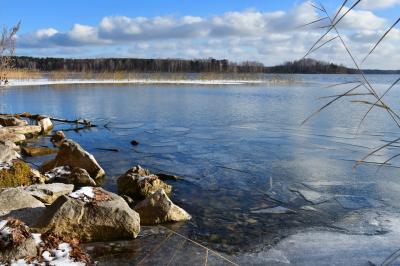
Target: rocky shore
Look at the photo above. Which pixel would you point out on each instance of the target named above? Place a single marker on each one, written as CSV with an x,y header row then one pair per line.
x,y
46,213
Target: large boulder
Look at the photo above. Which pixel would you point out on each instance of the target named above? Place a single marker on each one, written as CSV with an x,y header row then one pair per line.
x,y
91,214
8,120
139,183
16,173
73,155
16,241
158,208
46,124
18,203
48,193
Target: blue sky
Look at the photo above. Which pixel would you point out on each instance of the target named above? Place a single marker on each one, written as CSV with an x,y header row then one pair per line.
x,y
257,30
62,14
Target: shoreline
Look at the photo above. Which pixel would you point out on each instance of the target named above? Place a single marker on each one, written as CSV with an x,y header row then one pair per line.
x,y
41,82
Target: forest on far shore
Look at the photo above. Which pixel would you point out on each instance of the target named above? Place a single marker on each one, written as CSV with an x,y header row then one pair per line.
x,y
99,65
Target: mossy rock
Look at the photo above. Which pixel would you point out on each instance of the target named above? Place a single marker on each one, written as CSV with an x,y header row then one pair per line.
x,y
19,174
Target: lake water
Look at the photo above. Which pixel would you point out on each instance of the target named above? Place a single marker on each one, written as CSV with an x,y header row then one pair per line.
x,y
240,150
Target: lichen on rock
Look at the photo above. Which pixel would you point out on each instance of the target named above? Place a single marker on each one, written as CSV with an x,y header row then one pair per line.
x,y
18,174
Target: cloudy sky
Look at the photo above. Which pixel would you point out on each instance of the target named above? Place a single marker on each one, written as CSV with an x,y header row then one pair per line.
x,y
257,30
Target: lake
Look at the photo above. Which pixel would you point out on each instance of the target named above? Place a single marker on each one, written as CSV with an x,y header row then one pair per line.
x,y
240,149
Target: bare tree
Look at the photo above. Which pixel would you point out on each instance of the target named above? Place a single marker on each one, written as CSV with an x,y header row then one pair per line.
x,y
7,51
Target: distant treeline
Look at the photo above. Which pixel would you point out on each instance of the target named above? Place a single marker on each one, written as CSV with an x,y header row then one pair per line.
x,y
305,66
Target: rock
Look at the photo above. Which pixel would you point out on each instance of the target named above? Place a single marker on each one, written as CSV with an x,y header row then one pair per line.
x,y
134,142
96,215
138,183
38,177
73,155
16,241
10,145
59,174
12,137
16,174
80,178
8,120
18,203
164,176
129,200
48,193
158,208
57,138
37,151
7,154
29,129
77,176
45,124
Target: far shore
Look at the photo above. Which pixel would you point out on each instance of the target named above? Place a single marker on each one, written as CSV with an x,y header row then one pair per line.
x,y
38,82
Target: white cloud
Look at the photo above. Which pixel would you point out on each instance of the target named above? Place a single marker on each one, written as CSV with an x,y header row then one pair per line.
x,y
362,19
269,37
46,32
378,4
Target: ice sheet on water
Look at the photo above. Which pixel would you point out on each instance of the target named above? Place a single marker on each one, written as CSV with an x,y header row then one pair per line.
x,y
333,248
355,202
274,210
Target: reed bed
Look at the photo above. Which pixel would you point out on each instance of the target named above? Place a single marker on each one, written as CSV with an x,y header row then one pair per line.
x,y
21,74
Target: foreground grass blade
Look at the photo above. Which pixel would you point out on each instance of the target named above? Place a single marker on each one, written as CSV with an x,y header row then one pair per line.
x,y
329,103
379,100
375,151
380,40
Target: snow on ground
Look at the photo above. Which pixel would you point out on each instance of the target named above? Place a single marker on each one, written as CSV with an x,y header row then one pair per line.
x,y
58,172
60,256
55,257
5,233
85,193
5,166
36,82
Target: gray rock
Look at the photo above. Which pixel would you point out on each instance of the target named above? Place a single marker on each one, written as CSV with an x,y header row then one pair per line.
x,y
98,220
158,208
29,129
18,203
11,137
10,251
138,183
57,138
48,193
8,120
36,175
7,154
80,178
73,155
45,124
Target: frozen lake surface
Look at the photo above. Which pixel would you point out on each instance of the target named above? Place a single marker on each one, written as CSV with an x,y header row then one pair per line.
x,y
262,189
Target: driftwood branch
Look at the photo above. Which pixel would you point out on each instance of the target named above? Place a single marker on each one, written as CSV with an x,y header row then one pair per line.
x,y
85,122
